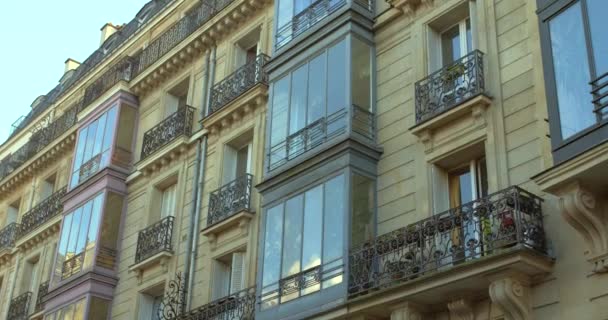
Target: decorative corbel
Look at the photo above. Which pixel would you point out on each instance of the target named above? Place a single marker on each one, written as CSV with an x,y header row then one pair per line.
x,y
588,214
461,309
406,311
513,296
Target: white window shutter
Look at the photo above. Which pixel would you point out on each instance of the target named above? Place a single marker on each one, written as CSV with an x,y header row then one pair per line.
x,y
249,159
229,168
221,280
237,278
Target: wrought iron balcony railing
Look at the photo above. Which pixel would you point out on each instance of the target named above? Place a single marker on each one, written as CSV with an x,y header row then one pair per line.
x,y
231,198
304,20
154,239
121,71
8,235
194,19
450,86
239,82
237,306
72,265
42,212
362,124
19,307
38,141
176,125
600,95
478,229
43,289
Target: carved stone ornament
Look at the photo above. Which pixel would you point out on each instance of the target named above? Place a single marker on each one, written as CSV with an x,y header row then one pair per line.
x,y
461,309
512,296
406,311
588,214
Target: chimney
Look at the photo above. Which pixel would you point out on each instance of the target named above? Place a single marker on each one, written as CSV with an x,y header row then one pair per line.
x,y
107,30
71,64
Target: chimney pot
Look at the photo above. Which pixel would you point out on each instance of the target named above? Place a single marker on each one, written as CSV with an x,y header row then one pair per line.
x,y
107,31
71,64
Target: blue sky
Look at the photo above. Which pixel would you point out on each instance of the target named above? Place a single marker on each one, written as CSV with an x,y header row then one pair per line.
x,y
38,36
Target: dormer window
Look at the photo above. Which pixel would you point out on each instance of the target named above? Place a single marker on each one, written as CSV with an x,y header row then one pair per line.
x,y
145,13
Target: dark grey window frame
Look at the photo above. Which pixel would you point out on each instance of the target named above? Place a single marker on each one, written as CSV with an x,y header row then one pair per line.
x,y
565,149
346,33
347,164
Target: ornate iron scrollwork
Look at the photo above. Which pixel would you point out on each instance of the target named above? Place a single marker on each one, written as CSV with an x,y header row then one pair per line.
x,y
43,289
508,218
174,301
176,125
42,212
231,198
8,235
154,239
450,86
19,307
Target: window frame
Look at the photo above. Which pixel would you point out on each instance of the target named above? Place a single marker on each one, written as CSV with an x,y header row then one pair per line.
x,y
565,149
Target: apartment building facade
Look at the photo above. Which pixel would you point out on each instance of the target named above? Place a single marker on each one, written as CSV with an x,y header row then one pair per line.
x,y
329,159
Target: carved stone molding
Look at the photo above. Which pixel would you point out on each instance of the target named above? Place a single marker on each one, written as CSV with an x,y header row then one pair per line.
x,y
461,309
513,296
409,7
587,213
406,311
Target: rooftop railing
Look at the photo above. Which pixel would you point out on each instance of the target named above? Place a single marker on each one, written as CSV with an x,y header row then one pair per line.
x,y
481,228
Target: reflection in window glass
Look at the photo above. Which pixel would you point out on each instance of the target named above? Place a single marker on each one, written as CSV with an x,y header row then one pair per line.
x,y
333,228
316,88
336,80
571,79
297,116
363,198
598,24
361,74
280,105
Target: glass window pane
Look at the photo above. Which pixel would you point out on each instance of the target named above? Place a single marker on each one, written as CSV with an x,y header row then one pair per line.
x,y
363,198
62,248
361,74
316,88
450,45
336,80
84,226
74,232
285,12
297,114
272,245
333,221
292,238
301,5
110,127
313,226
91,137
599,24
79,310
278,132
93,230
571,79
99,134
82,141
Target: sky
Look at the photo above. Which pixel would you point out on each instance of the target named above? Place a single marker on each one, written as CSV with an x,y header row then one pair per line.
x,y
38,36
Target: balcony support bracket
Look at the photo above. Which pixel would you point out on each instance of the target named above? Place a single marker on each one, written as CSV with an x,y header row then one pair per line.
x,y
461,309
407,311
512,294
587,212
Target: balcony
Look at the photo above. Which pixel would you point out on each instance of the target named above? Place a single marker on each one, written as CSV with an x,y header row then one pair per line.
x,y
230,206
43,289
39,141
19,307
503,231
121,71
41,213
239,82
177,125
362,125
8,235
237,306
154,244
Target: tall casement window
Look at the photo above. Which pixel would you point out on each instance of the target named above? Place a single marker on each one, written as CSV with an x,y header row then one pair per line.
x,y
304,239
88,236
575,51
312,102
89,307
107,139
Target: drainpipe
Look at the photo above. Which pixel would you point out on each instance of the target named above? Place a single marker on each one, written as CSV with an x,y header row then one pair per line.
x,y
197,195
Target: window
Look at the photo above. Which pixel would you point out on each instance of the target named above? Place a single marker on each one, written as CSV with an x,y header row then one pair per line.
x,y
310,104
304,237
47,187
78,239
167,203
177,97
93,147
151,303
30,275
364,203
247,49
574,48
237,159
228,275
456,42
12,213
